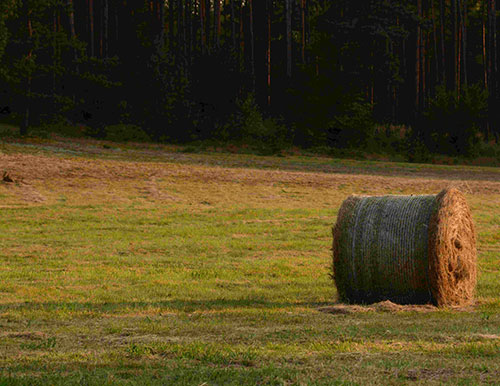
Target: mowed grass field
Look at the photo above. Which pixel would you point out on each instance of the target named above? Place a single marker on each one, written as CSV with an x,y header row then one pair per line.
x,y
144,265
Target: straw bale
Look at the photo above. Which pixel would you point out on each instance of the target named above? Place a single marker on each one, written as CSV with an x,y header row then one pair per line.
x,y
406,249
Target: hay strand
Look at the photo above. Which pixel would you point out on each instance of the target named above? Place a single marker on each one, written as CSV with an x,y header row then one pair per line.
x,y
406,249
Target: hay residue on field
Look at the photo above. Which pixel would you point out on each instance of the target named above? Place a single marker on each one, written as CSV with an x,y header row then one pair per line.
x,y
52,178
22,189
388,307
42,168
385,306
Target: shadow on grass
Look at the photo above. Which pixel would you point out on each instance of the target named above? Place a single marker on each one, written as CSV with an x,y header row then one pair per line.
x,y
159,374
168,305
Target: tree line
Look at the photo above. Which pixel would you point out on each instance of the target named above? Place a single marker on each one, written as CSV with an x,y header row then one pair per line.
x,y
305,72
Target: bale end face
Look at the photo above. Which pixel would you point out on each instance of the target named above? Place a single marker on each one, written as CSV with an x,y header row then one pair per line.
x,y
452,250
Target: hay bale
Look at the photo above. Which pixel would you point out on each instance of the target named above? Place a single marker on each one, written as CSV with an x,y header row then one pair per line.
x,y
406,249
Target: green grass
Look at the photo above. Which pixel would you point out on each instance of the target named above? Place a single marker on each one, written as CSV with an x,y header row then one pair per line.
x,y
219,281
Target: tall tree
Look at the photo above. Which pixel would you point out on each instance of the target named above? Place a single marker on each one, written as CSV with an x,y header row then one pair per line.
x,y
418,60
464,39
179,7
203,22
208,9
25,123
105,28
442,11
288,18
217,21
91,26
455,40
185,17
252,44
171,23
435,40
303,30
493,48
269,10
241,35
189,19
233,25
484,12
161,32
71,20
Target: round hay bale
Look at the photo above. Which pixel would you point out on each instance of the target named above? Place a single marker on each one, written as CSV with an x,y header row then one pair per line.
x,y
406,249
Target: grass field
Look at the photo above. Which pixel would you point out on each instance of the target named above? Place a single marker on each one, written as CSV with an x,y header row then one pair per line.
x,y
147,265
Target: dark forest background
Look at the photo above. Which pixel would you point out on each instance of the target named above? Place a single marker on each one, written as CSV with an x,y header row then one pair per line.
x,y
418,76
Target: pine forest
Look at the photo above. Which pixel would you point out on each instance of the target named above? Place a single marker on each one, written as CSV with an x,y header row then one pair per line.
x,y
308,73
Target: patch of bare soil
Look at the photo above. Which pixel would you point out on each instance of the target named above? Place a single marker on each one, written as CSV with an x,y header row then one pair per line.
x,y
30,194
31,168
429,374
424,375
385,306
487,336
152,190
24,335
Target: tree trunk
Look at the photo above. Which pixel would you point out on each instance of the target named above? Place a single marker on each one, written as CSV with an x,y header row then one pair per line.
x,y
252,45
434,31
494,48
216,30
171,22
493,105
464,40
490,46
303,20
268,56
117,32
189,11
233,26
242,36
459,53
288,5
427,70
372,78
442,11
485,63
100,9
106,28
454,42
71,20
185,16
202,26
91,19
418,60
54,55
207,23
178,30
162,23
23,129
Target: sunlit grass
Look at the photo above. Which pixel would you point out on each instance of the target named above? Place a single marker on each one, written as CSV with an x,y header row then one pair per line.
x,y
188,272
